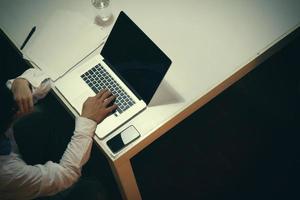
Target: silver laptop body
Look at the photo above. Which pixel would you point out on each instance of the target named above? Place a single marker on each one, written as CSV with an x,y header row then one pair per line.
x,y
132,76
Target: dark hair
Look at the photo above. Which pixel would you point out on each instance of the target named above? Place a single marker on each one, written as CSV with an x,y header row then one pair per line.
x,y
7,108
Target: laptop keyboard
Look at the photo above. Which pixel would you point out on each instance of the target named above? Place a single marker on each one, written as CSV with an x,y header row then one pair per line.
x,y
98,78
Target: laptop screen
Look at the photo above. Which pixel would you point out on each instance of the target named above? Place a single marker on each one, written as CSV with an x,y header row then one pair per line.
x,y
135,58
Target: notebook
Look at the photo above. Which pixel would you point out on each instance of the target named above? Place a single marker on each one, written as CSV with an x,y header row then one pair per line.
x,y
130,65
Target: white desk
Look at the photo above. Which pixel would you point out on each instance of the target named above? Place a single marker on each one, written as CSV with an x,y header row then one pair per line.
x,y
212,44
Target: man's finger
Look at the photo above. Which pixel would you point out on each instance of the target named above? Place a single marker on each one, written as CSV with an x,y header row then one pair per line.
x,y
101,93
20,105
105,95
30,103
25,105
109,100
111,108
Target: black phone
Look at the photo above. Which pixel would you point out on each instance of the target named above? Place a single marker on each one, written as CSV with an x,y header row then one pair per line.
x,y
122,139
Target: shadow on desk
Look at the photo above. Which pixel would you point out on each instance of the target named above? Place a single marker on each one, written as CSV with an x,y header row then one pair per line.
x,y
164,95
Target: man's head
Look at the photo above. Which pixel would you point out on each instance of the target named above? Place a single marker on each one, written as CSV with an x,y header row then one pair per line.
x,y
8,108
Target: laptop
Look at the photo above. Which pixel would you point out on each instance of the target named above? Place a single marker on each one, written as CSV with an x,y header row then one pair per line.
x,y
130,65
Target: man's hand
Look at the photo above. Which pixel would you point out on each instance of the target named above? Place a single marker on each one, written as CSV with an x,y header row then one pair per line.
x,y
97,108
23,95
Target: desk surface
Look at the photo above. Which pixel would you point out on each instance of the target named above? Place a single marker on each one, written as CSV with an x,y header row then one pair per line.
x,y
211,43
208,42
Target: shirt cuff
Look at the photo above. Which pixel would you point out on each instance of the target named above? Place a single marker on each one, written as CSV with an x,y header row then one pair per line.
x,y
34,76
85,126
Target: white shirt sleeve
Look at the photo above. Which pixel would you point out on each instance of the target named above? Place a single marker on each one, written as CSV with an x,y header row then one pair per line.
x,y
39,81
21,181
59,176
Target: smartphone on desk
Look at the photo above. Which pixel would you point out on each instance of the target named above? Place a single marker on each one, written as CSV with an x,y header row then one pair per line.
x,y
121,140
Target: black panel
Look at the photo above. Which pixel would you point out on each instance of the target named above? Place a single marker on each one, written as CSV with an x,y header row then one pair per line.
x,y
134,57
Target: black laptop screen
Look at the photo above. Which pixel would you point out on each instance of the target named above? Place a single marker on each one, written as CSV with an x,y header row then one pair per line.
x,y
134,57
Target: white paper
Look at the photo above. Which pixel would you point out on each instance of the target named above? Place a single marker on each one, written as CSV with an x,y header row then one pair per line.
x,y
64,39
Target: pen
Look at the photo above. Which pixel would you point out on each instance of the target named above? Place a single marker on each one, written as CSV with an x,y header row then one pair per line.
x,y
28,37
